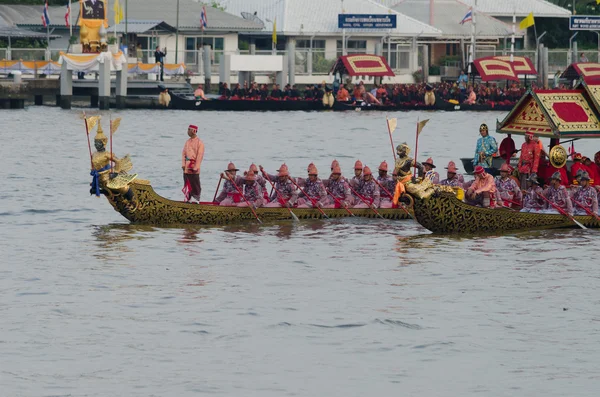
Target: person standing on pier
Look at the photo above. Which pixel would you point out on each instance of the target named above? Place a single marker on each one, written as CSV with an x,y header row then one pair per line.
x,y
159,57
193,153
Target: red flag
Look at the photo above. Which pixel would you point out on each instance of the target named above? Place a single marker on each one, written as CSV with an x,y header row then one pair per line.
x,y
187,189
67,15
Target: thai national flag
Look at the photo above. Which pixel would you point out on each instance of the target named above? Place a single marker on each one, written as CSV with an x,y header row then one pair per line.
x,y
68,13
46,15
203,19
467,18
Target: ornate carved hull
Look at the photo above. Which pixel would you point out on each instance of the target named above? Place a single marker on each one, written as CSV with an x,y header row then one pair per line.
x,y
142,205
443,213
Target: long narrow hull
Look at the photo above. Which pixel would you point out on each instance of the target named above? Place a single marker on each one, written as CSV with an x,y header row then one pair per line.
x,y
443,213
188,103
142,205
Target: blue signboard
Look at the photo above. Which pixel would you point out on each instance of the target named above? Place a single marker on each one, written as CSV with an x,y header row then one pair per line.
x,y
366,21
584,22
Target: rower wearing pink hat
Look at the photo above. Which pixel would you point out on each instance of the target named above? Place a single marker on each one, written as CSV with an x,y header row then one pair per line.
x,y
453,178
368,191
388,186
313,192
285,193
483,190
229,196
430,173
339,191
356,179
509,193
253,192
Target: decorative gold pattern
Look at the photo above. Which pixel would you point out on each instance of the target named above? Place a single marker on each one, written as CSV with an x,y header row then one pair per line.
x,y
558,156
142,205
528,118
441,212
370,58
589,69
548,100
496,68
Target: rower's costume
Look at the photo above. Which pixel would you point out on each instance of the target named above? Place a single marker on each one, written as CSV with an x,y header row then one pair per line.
x,y
355,181
261,181
532,201
483,188
507,189
559,197
432,175
485,149
457,180
368,191
314,189
585,196
339,189
285,193
229,196
253,192
387,189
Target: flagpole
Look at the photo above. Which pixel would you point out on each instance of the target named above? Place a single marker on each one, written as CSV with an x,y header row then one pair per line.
x,y
416,149
391,141
512,39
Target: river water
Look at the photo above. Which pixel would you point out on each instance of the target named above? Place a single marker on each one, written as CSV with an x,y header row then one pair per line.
x,y
93,306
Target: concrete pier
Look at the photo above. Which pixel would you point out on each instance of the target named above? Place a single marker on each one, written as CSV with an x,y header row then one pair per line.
x,y
104,86
121,88
66,87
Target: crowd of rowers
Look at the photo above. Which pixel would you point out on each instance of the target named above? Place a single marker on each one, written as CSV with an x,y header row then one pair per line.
x,y
364,190
382,94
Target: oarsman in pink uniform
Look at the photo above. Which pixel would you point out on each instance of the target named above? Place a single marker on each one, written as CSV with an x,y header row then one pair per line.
x,y
557,194
191,158
483,190
388,183
532,202
253,192
338,187
529,159
356,179
508,190
260,180
586,196
453,178
368,191
229,196
313,188
430,174
288,194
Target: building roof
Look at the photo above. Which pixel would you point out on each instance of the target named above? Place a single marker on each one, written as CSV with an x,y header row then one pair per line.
x,y
12,14
447,15
520,8
320,17
149,10
15,32
139,26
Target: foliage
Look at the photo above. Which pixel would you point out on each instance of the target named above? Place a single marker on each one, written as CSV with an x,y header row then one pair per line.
x,y
321,64
449,60
216,4
111,40
73,39
243,45
434,70
418,76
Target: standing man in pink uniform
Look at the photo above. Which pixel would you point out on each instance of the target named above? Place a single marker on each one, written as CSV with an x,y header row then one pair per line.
x,y
193,153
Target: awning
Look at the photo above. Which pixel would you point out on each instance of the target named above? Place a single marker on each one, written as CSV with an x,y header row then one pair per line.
x,y
362,65
589,71
553,114
138,26
521,65
18,33
492,69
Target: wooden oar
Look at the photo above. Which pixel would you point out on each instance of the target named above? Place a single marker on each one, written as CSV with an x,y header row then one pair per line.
x,y
392,197
279,195
218,186
587,210
365,201
339,202
244,197
556,207
307,196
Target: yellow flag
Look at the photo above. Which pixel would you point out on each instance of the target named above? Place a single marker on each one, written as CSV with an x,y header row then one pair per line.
x,y
528,21
117,11
392,123
92,121
115,125
420,126
121,13
275,31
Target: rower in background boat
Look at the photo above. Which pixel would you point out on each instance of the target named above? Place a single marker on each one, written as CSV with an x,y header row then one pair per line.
x,y
285,194
388,183
529,159
229,196
199,93
342,94
509,193
532,201
483,189
485,148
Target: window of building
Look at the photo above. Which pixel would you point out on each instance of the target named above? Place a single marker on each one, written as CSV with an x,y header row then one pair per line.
x,y
305,44
192,44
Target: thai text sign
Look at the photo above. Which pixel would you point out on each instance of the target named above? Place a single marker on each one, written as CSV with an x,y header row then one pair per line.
x,y
584,22
366,21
